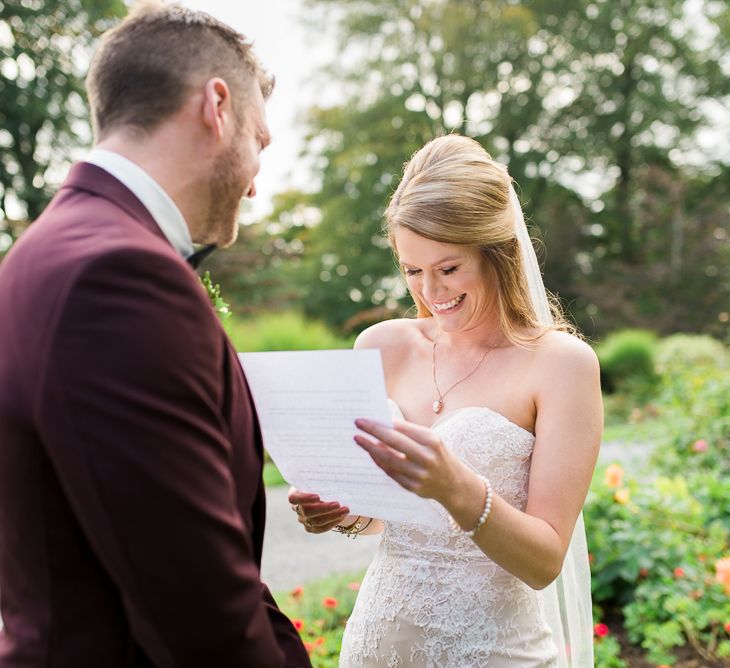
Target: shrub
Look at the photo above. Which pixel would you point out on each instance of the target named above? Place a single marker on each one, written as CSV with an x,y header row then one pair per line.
x,y
627,357
282,331
319,612
677,354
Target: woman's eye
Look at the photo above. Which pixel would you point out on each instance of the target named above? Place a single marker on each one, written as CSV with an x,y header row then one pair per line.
x,y
412,272
449,270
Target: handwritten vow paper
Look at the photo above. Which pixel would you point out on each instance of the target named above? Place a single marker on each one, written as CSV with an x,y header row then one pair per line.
x,y
307,403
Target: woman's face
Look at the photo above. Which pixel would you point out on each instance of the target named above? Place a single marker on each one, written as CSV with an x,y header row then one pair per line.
x,y
453,281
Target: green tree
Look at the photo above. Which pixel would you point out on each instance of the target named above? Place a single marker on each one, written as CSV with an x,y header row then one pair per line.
x,y
44,50
580,98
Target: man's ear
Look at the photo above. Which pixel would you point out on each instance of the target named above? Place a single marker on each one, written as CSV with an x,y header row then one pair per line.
x,y
217,106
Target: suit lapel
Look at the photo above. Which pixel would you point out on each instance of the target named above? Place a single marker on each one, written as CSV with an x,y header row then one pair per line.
x,y
97,181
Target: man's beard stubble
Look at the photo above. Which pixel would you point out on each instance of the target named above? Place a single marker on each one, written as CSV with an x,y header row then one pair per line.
x,y
225,191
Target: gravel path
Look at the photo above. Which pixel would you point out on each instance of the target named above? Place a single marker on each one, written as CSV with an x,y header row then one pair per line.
x,y
293,557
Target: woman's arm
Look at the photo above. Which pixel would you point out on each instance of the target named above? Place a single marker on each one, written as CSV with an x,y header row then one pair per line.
x,y
531,544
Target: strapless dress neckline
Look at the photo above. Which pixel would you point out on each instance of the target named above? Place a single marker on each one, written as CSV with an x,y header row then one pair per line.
x,y
466,409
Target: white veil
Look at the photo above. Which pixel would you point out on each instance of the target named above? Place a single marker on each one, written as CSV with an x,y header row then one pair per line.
x,y
567,600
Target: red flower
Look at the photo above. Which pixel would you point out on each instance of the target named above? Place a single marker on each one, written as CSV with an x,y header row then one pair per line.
x,y
679,572
329,602
727,627
601,630
298,624
297,592
319,641
643,572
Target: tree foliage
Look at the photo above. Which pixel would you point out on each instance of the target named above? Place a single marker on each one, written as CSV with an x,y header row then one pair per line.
x,y
44,52
595,106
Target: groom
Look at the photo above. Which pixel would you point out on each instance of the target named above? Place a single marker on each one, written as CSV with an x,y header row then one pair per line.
x,y
131,501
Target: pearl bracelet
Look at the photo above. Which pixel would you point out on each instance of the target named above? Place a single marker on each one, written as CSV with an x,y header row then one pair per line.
x,y
485,512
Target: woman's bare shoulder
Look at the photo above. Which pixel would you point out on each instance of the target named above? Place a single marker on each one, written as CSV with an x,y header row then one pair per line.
x,y
561,352
392,335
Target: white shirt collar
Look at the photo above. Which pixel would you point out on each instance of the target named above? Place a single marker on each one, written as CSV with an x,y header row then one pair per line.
x,y
164,211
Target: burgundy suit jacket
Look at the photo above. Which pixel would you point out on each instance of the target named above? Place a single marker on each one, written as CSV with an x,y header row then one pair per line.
x,y
131,501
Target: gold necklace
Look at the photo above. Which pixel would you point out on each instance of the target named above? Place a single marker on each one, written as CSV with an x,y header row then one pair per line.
x,y
438,405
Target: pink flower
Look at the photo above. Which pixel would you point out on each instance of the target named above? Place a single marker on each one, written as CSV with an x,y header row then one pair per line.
x,y
355,586
679,572
700,446
601,630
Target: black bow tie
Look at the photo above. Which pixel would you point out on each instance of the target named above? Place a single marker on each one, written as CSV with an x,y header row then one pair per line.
x,y
198,256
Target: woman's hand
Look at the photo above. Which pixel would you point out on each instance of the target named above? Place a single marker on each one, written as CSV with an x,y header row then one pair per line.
x,y
416,458
315,515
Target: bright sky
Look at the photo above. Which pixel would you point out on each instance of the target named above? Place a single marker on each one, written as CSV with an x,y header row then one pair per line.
x,y
291,54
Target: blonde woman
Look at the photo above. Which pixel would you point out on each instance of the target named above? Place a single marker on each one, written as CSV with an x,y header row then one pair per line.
x,y
499,419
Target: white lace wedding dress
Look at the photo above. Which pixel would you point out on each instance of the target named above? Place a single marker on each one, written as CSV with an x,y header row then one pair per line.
x,y
432,599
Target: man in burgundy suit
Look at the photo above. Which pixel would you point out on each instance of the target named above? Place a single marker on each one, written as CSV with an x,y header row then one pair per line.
x,y
131,501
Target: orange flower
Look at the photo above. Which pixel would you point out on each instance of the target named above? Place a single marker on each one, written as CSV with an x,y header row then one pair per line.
x,y
329,602
679,572
298,624
614,476
297,592
622,496
319,641
601,630
722,573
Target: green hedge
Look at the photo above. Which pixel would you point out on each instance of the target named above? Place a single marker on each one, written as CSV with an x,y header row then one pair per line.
x,y
283,331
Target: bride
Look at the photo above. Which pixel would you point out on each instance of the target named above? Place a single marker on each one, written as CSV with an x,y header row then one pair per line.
x,y
498,419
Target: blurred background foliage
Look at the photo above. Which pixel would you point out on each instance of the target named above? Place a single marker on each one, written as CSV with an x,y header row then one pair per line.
x,y
598,108
604,111
44,46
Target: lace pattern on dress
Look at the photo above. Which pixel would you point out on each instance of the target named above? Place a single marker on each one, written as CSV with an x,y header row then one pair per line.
x,y
433,599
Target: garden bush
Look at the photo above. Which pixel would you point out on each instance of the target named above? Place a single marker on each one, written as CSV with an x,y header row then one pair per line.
x,y
660,538
627,358
282,331
675,354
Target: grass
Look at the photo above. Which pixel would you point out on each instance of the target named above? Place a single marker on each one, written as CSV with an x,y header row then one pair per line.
x,y
272,476
645,431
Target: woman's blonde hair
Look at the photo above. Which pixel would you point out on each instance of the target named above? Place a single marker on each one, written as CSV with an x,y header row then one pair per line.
x,y
453,192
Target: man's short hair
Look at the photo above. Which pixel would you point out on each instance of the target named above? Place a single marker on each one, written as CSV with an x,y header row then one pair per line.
x,y
146,67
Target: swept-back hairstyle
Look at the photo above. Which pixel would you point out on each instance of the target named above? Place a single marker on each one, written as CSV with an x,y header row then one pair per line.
x,y
146,67
453,192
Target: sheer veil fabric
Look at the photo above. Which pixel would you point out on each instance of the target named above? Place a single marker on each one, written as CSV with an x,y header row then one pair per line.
x,y
568,599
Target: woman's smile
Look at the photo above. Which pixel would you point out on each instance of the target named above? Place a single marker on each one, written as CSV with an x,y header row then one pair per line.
x,y
449,306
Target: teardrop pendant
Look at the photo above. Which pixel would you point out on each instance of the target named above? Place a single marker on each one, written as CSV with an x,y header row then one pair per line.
x,y
437,406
